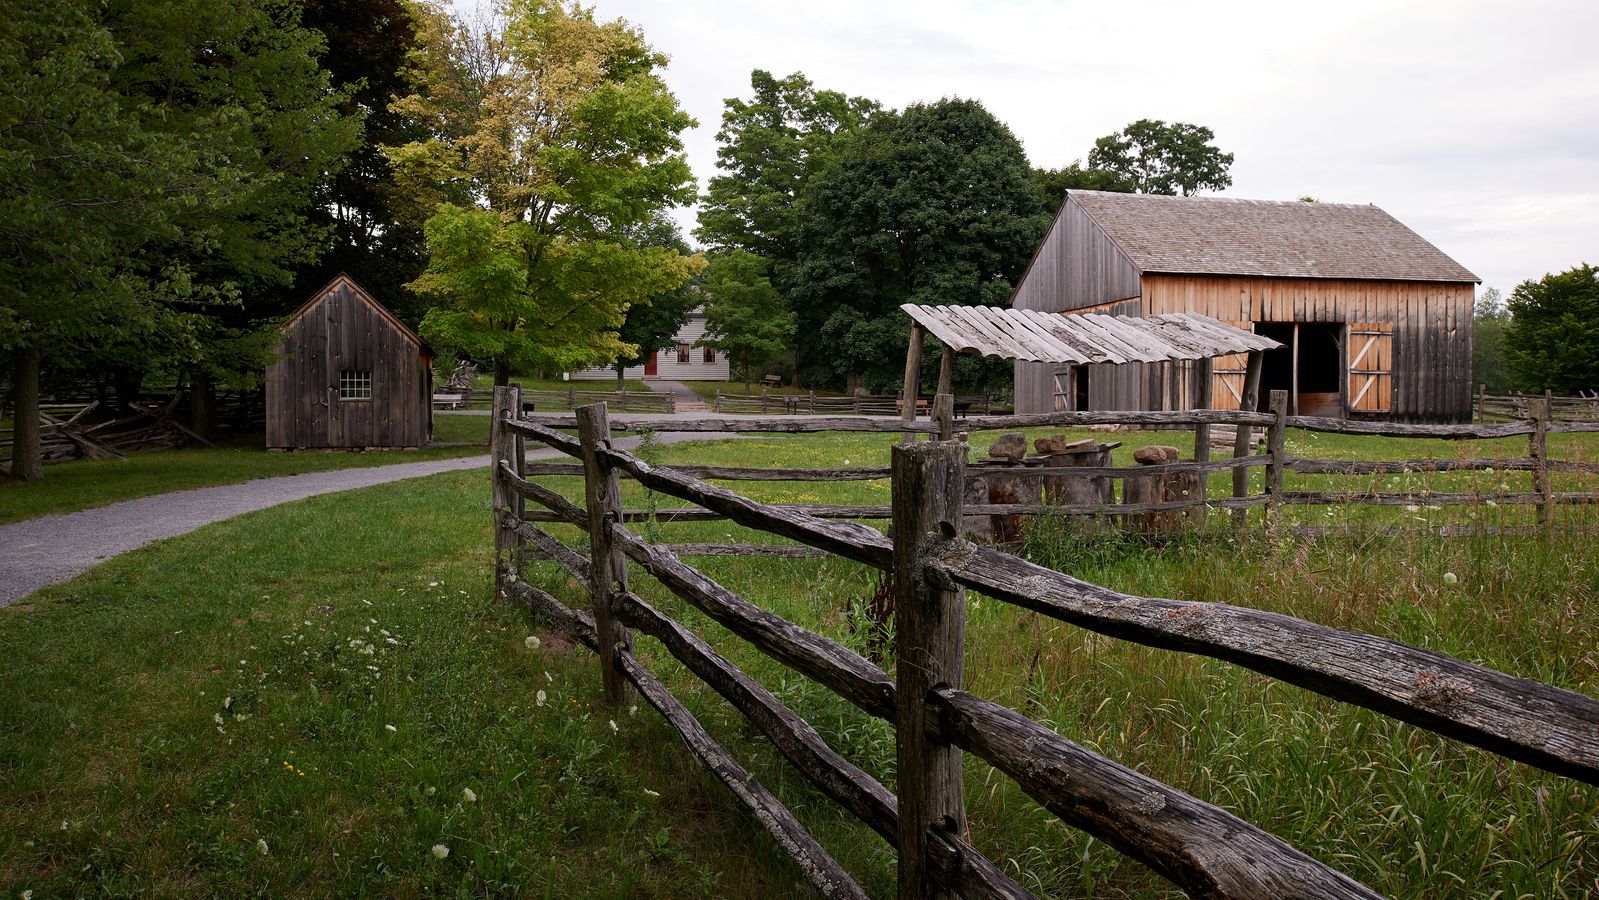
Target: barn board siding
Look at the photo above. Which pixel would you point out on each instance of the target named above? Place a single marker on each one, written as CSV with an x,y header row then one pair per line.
x,y
1076,266
341,329
1431,362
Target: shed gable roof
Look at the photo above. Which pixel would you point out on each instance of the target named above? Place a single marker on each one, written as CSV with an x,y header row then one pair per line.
x,y
1293,239
344,280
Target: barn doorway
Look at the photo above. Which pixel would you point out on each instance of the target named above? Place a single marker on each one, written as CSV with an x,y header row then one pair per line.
x,y
652,366
1309,366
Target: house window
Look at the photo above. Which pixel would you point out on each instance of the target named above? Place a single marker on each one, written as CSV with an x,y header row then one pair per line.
x,y
710,354
682,353
355,384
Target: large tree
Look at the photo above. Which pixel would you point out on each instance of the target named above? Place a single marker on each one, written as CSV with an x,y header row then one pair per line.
x,y
936,205
1054,183
1158,158
552,134
745,317
1552,342
155,160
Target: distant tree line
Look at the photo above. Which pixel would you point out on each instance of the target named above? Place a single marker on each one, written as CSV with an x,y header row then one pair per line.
x,y
847,210
1545,337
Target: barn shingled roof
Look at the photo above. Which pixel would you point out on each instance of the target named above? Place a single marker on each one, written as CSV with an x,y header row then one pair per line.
x,y
1293,239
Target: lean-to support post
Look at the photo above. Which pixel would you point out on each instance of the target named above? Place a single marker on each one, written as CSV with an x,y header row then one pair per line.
x,y
929,629
1204,371
913,379
602,495
1247,403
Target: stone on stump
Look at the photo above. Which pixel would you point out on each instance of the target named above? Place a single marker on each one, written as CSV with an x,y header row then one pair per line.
x,y
1009,446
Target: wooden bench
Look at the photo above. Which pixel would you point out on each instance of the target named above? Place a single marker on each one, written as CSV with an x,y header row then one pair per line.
x,y
449,401
772,380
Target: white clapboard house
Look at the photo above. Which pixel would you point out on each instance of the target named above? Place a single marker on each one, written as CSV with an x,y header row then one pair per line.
x,y
680,362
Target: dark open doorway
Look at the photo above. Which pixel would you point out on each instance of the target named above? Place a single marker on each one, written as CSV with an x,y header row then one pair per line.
x,y
1309,366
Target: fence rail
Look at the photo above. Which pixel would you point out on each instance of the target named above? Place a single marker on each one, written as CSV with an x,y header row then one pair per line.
x,y
1200,847
811,404
1583,407
569,399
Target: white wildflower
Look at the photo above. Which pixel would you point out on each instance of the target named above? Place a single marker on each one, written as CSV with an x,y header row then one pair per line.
x,y
612,723
440,851
431,790
1450,578
1492,504
548,677
633,710
532,642
539,698
261,846
658,793
228,703
390,729
1411,507
434,584
468,795
217,718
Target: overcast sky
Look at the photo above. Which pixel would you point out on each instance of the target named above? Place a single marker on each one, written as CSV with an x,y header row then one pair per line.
x,y
1475,123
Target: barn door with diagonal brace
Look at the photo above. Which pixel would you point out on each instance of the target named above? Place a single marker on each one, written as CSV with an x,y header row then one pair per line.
x,y
1371,367
1227,375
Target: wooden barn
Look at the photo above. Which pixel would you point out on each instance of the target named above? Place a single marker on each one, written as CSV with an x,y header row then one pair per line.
x,y
349,375
1375,321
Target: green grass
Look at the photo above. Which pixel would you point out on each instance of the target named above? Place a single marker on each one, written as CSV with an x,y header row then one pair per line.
x,y
84,484
485,382
112,682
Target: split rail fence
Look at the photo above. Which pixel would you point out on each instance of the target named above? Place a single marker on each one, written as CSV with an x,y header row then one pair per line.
x,y
569,399
768,403
1584,407
1203,849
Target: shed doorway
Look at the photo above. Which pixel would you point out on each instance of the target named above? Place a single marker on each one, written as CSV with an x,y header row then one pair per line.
x,y
1309,366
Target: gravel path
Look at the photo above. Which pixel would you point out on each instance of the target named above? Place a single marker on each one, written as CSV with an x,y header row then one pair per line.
x,y
36,553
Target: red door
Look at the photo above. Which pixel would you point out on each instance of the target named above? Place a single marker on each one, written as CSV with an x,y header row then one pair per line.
x,y
649,365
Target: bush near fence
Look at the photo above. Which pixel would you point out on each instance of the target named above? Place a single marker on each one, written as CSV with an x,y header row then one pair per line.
x,y
1199,847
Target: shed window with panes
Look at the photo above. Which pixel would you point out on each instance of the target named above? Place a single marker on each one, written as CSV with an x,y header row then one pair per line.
x,y
355,384
682,354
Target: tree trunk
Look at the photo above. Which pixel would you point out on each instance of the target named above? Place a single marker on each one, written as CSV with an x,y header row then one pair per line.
x,y
27,456
619,373
746,373
203,405
502,373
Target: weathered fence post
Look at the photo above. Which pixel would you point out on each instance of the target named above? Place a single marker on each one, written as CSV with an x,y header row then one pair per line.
x,y
929,629
913,372
603,495
1538,449
1205,374
1279,459
1482,402
502,448
944,415
813,403
571,396
716,404
765,399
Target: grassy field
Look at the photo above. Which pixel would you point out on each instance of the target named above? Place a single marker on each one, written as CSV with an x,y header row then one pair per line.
x,y
84,484
166,712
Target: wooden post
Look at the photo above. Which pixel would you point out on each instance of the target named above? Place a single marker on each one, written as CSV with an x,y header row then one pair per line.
x,y
571,396
913,379
765,398
501,448
944,415
602,494
1205,371
1294,398
1538,449
519,466
946,370
716,404
1247,403
813,402
1274,469
1482,402
929,628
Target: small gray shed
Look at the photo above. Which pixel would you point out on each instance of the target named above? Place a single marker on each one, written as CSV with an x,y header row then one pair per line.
x,y
349,375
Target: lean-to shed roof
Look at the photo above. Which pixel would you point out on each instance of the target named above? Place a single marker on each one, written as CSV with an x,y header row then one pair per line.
x,y
1080,339
1293,239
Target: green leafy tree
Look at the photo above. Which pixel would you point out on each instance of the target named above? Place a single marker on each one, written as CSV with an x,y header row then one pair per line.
x,y
1054,183
652,324
551,135
745,316
1158,158
1552,342
367,44
1490,319
933,205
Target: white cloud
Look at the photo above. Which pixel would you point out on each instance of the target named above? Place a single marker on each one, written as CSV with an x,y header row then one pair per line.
x,y
1473,122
